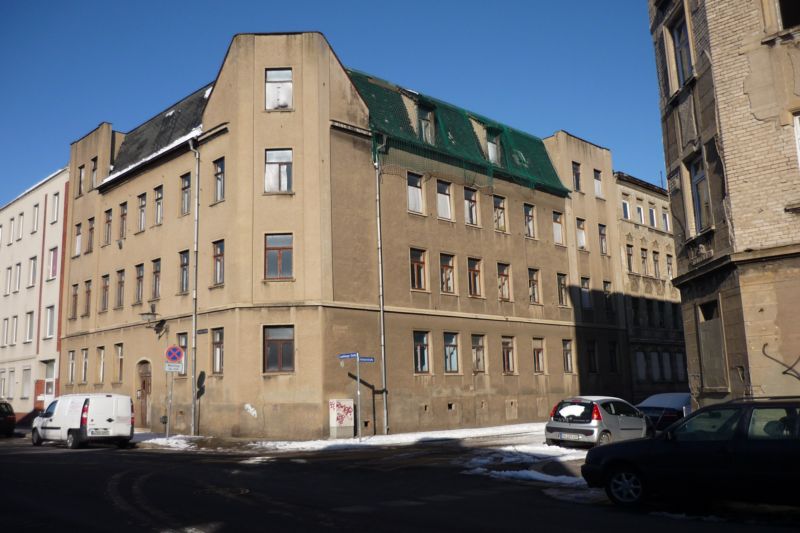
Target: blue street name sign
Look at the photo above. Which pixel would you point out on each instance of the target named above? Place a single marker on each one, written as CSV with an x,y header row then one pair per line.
x,y
348,355
366,359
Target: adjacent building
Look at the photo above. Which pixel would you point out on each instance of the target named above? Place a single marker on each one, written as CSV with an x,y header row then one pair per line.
x,y
31,258
729,107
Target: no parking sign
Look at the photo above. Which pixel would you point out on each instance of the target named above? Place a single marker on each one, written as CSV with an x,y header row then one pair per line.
x,y
174,355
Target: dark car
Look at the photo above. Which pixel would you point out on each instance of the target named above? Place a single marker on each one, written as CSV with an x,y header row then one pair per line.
x,y
7,419
745,449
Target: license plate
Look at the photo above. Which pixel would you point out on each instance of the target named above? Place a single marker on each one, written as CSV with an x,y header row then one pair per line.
x,y
100,432
569,436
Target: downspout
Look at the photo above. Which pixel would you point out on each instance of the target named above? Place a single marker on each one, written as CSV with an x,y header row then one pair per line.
x,y
376,162
194,283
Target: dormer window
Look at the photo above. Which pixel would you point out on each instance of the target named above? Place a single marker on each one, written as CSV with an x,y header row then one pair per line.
x,y
493,148
426,133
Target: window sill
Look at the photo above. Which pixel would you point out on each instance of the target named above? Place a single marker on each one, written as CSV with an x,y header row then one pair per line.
x,y
473,226
50,279
537,304
702,233
277,193
182,293
138,232
501,231
422,374
278,373
216,286
27,341
421,291
450,294
217,375
118,308
280,110
448,220
85,315
278,280
29,286
89,251
47,338
559,245
216,202
102,311
682,89
455,374
477,296
75,256
562,306
603,198
137,304
105,244
417,213
583,250
531,237
505,300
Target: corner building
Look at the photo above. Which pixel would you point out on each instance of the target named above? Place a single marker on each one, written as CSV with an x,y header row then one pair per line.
x,y
481,325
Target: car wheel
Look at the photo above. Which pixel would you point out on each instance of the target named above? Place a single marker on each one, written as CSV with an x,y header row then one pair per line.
x,y
625,487
551,442
604,438
72,441
36,439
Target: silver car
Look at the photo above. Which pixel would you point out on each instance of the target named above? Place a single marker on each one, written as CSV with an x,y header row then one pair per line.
x,y
594,420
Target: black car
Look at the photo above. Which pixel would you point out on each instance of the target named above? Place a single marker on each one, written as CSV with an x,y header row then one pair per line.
x,y
745,449
7,419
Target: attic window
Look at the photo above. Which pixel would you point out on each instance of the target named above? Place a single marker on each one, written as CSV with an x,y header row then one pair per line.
x,y
493,147
426,122
279,88
790,13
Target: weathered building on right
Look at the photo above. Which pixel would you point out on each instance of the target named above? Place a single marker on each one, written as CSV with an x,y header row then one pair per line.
x,y
730,111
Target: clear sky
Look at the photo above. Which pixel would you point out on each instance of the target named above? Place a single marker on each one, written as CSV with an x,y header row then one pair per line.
x,y
579,65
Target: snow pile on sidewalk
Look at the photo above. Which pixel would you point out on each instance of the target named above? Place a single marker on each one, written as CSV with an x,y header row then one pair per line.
x,y
176,442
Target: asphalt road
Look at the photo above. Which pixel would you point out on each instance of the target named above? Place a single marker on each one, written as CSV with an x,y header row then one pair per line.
x,y
420,488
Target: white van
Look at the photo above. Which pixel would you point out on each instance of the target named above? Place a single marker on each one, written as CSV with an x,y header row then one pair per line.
x,y
81,418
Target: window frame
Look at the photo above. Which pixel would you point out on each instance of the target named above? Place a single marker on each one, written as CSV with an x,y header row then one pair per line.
x,y
539,359
558,229
281,251
282,345
451,362
219,179
273,85
444,199
217,351
475,288
418,263
471,210
421,352
508,355
499,213
534,296
279,170
447,273
218,263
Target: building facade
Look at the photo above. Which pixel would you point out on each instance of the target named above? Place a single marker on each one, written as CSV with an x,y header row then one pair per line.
x,y
31,259
729,109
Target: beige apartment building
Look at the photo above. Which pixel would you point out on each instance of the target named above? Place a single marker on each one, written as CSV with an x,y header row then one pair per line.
x,y
475,309
729,104
31,257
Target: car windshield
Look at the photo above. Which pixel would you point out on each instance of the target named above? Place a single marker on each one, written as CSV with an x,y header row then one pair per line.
x,y
5,409
573,411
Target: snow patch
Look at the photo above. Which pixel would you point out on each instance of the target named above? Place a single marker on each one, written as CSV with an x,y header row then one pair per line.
x,y
208,92
251,410
178,442
257,460
170,113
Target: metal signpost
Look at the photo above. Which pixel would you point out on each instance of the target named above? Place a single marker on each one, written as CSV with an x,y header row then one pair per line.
x,y
174,363
358,358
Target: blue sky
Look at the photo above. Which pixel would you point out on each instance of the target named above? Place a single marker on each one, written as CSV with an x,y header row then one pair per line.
x,y
583,66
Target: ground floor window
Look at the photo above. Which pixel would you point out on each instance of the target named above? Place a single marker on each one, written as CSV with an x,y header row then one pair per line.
x,y
278,348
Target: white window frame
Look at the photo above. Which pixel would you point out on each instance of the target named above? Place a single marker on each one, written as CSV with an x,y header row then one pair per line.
x,y
278,167
414,193
50,321
278,89
444,205
29,324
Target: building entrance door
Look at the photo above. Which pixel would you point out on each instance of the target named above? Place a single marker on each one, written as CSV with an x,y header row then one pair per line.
x,y
49,392
143,394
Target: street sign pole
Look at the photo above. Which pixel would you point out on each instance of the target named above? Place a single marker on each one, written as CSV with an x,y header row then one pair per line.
x,y
169,403
358,393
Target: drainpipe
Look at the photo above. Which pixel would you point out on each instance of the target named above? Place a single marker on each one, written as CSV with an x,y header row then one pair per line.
x,y
194,283
376,162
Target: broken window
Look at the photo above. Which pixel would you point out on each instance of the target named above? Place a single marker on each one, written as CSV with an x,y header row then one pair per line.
x,y
680,47
426,125
279,88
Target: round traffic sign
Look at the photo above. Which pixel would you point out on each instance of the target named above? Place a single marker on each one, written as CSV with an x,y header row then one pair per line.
x,y
174,354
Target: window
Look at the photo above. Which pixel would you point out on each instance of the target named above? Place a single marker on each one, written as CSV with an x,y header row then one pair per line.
x,y
613,357
655,366
156,284
5,332
680,366
54,209
105,283
71,367
608,297
52,263
426,125
680,47
100,371
94,172
278,88
507,350
420,352
219,179
418,269
561,280
533,285
656,266
665,220
278,171
26,383
87,302
529,213
773,423
73,301
29,326
138,293
32,271
218,248
142,199
591,356
789,13
35,221
79,188
598,183
278,256
474,271
278,348
644,271
451,352
666,366
120,362
90,235
183,271
186,194
586,295
414,192
20,225
78,241
1,233
503,281
443,205
8,281
11,384
123,220
669,267
107,217
11,230
447,273
601,230
580,225
640,214
120,297
558,233
478,356
499,213
651,212
566,352
217,350
14,324
49,321
538,356
626,210
183,342
17,276
576,176
700,195
470,206
158,205
629,256
84,365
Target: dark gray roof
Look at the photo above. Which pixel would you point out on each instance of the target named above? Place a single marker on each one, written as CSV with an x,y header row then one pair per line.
x,y
162,130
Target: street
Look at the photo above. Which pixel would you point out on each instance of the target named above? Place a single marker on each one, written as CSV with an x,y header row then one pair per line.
x,y
412,488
